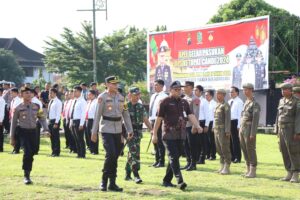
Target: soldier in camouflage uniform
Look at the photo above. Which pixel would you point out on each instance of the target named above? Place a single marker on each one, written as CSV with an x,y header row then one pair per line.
x,y
249,124
25,116
222,123
138,115
287,127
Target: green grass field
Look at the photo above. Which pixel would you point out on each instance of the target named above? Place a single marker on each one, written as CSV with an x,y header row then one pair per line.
x,y
67,177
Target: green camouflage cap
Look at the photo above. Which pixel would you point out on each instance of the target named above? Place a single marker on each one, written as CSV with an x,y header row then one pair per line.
x,y
134,90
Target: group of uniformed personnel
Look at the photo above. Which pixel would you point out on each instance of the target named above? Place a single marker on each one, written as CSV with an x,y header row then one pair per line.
x,y
174,121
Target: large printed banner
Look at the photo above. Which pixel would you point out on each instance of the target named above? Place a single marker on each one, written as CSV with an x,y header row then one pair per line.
x,y
215,56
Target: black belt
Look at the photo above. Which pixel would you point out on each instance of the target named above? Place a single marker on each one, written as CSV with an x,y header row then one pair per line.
x,y
114,119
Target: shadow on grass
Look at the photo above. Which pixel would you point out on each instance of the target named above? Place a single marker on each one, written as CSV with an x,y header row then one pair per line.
x,y
74,188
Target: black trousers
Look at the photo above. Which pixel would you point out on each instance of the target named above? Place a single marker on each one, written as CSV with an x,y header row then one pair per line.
x,y
203,142
87,135
160,150
190,145
235,146
1,138
211,141
67,133
55,140
17,140
28,138
6,122
173,169
94,146
112,147
79,138
71,137
38,136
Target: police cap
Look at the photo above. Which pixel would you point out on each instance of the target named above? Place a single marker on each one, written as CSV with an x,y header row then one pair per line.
x,y
286,86
222,91
248,86
296,89
112,79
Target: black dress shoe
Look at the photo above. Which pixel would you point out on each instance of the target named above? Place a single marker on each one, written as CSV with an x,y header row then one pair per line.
x,y
159,165
201,162
191,168
182,185
103,187
15,152
212,158
27,181
236,161
115,188
185,167
168,184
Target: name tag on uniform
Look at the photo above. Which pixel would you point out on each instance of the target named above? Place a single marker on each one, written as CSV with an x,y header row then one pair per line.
x,y
184,114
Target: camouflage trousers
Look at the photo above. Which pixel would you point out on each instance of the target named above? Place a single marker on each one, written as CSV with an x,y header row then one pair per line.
x,y
133,158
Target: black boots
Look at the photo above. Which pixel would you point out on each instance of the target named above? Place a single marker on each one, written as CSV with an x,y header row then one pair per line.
x,y
113,186
137,178
192,166
27,179
128,176
187,166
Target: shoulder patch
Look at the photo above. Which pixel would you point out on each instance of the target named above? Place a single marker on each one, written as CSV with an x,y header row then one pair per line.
x,y
100,100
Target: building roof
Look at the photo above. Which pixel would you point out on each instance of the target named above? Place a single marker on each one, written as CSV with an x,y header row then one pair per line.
x,y
25,56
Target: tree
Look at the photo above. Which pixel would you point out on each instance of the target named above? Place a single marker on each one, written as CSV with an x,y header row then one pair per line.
x,y
284,29
122,53
9,67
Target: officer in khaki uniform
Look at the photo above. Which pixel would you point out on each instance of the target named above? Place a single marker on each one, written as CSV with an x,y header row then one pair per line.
x,y
296,91
287,127
25,116
247,134
110,111
222,123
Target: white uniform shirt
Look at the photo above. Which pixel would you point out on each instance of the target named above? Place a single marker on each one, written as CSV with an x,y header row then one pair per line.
x,y
204,110
211,109
66,105
13,104
2,109
154,102
79,109
70,108
90,109
236,106
37,101
54,109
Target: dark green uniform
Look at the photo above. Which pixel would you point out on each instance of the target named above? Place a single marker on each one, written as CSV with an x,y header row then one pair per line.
x,y
137,113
